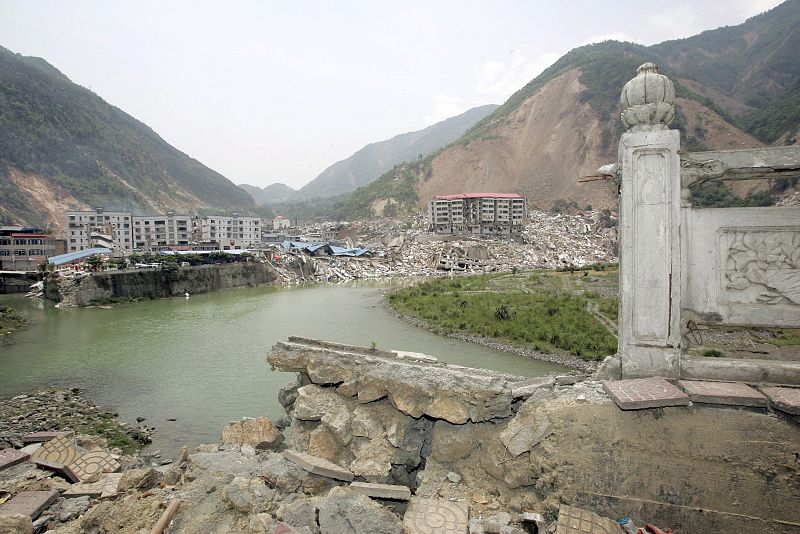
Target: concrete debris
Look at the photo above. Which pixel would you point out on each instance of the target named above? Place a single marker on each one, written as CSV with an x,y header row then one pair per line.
x,y
258,432
404,248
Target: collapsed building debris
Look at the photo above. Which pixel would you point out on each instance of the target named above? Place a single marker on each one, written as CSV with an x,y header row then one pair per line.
x,y
395,248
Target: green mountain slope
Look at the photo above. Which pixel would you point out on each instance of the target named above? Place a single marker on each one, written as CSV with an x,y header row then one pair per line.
x,y
375,159
62,144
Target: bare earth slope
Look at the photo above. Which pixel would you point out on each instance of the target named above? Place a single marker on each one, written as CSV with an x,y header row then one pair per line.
x,y
540,150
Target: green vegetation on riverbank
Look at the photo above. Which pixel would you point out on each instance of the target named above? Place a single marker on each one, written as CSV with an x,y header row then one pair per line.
x,y
10,320
572,311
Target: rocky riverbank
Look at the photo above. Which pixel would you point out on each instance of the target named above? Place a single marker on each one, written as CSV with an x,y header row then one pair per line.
x,y
62,409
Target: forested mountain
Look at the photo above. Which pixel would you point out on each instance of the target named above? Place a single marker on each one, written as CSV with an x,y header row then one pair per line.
x,y
737,86
62,146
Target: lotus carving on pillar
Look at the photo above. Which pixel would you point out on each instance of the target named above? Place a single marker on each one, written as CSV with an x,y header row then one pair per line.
x,y
648,100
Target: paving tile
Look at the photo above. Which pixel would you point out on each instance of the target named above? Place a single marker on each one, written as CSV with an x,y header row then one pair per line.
x,y
111,487
318,466
30,503
10,457
92,489
382,491
59,450
572,520
106,486
91,465
61,469
436,516
40,437
642,393
732,393
784,399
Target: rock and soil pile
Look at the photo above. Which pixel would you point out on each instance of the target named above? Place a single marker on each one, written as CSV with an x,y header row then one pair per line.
x,y
387,442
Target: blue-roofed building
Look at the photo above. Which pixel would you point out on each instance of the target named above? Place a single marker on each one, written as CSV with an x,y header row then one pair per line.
x,y
77,255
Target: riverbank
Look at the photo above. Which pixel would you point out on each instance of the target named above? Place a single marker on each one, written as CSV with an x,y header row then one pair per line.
x,y
10,321
111,286
565,359
53,409
562,317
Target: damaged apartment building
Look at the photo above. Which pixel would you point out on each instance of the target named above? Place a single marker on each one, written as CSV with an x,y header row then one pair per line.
x,y
477,213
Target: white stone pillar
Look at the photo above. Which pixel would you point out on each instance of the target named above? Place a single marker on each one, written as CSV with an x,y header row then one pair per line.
x,y
650,251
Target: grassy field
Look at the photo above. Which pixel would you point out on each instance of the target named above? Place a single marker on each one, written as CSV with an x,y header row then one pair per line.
x,y
549,311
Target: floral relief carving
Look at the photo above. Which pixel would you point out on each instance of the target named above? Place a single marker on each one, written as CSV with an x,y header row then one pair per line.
x,y
764,267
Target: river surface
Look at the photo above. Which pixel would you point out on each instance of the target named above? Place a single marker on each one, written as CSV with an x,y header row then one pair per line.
x,y
201,360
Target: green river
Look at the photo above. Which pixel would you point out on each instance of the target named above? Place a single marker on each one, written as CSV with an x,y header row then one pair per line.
x,y
201,360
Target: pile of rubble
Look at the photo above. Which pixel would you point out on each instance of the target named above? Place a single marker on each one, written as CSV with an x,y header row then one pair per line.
x,y
385,442
407,249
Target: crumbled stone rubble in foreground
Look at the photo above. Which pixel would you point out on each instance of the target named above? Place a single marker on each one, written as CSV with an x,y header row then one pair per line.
x,y
380,442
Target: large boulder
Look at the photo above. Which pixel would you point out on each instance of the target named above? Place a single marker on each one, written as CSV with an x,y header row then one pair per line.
x,y
247,495
280,473
256,431
452,442
138,479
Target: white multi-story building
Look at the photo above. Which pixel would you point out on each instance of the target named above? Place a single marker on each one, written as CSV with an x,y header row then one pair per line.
x,y
477,213
232,233
116,224
152,232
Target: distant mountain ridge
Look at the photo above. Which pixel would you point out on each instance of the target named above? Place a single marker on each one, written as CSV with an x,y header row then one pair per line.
x,y
370,162
62,147
737,87
270,194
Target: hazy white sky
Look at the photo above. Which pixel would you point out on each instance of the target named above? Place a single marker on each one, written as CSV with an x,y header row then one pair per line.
x,y
269,92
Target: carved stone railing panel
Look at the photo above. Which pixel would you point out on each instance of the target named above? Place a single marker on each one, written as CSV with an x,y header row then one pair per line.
x,y
742,266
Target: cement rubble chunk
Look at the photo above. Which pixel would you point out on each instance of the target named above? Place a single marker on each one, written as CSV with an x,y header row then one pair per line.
x,y
730,393
525,432
30,503
318,466
41,437
15,524
259,432
640,393
573,520
382,491
523,390
415,387
784,399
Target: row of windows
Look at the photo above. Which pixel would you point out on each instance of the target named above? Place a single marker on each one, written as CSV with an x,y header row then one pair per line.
x,y
7,242
19,252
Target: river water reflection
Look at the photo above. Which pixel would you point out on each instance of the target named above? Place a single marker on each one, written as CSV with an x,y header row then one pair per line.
x,y
201,360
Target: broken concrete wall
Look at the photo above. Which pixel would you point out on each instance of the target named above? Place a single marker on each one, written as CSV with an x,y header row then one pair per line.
x,y
521,444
